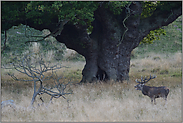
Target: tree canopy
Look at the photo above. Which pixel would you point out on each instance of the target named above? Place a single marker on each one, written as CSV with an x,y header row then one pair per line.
x,y
76,12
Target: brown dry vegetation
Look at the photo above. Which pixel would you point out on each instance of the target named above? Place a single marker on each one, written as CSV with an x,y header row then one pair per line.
x,y
102,101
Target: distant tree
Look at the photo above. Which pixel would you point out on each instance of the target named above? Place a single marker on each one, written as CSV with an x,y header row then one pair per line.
x,y
105,32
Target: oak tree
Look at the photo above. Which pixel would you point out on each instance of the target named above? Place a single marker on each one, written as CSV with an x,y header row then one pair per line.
x,y
105,32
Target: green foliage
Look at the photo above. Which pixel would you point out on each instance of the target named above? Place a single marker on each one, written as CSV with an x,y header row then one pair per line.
x,y
148,8
116,6
42,12
11,12
14,35
153,35
75,11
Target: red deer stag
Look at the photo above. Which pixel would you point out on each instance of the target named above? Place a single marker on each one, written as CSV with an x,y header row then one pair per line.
x,y
152,92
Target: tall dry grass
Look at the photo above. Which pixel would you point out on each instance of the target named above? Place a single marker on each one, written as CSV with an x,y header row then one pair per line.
x,y
96,102
102,101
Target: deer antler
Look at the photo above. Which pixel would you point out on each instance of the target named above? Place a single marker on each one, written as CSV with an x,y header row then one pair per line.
x,y
145,80
137,81
151,77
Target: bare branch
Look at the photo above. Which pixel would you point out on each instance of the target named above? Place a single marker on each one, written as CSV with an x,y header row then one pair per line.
x,y
36,73
15,78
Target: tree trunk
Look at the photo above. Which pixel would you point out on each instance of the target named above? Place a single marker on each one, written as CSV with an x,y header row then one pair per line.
x,y
112,60
107,50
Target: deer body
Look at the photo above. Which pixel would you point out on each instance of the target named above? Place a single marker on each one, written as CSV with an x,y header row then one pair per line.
x,y
155,92
152,92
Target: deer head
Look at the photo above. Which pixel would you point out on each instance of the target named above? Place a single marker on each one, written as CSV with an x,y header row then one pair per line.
x,y
143,81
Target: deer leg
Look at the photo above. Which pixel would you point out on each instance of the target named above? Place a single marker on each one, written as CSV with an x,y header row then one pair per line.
x,y
151,100
165,98
154,101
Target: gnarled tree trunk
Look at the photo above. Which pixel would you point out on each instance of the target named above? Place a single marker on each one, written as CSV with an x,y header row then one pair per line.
x,y
107,50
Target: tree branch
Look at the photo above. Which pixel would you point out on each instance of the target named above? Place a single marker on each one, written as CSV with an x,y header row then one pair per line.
x,y
55,33
159,19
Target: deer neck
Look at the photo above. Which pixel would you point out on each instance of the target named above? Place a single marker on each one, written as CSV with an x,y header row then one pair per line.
x,y
145,89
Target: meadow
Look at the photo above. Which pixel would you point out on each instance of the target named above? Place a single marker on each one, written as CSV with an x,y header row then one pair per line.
x,y
101,101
